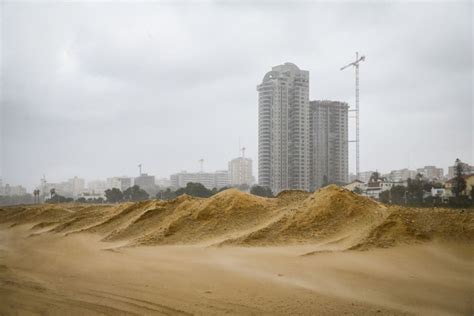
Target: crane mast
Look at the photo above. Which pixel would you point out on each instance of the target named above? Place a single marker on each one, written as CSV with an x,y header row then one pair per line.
x,y
357,140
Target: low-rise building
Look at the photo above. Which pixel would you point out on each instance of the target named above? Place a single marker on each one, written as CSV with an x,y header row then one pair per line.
x,y
374,188
469,178
364,176
467,169
402,175
121,183
355,185
210,180
431,172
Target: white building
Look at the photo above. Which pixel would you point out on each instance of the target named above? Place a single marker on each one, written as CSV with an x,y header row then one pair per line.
x,y
210,180
402,175
76,186
97,186
121,183
240,171
283,129
11,190
163,182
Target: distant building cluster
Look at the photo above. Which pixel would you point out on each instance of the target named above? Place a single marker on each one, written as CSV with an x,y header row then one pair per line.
x,y
374,187
239,173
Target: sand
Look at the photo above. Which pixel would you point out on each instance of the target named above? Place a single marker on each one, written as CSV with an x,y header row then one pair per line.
x,y
327,253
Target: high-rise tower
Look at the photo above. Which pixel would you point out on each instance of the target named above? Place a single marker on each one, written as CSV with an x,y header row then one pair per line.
x,y
329,143
283,140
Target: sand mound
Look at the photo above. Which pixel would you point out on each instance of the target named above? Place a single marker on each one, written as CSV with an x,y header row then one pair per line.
x,y
408,225
327,215
333,217
210,220
289,197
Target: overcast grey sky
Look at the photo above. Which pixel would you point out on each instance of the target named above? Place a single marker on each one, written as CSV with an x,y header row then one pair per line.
x,y
92,89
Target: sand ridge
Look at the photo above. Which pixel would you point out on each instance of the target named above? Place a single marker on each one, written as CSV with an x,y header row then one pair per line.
x,y
333,216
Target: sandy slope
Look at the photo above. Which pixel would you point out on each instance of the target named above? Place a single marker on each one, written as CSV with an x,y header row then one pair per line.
x,y
50,274
331,252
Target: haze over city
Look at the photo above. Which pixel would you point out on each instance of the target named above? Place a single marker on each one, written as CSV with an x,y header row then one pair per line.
x,y
93,89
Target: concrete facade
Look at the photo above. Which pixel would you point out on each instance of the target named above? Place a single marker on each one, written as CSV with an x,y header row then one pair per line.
x,y
283,129
210,180
240,171
329,143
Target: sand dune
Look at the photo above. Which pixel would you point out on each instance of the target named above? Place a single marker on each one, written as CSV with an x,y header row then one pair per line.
x,y
331,252
332,216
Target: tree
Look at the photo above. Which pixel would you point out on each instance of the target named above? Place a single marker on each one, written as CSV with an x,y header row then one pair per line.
x,y
52,192
166,194
113,195
374,177
81,200
135,193
194,189
384,196
261,191
415,190
459,183
16,199
56,198
398,194
357,190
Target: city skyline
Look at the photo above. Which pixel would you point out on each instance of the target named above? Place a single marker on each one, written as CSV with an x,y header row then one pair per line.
x,y
99,96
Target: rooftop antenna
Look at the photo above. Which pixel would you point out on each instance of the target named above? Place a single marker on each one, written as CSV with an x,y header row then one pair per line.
x,y
139,169
356,63
243,152
201,161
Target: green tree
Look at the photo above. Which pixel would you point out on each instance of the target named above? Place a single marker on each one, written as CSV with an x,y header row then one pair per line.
x,y
81,200
459,183
135,193
398,194
384,196
357,190
56,198
167,194
16,199
261,191
415,190
113,195
374,177
194,189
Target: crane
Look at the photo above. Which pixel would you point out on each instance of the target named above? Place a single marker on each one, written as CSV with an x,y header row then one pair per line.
x,y
356,63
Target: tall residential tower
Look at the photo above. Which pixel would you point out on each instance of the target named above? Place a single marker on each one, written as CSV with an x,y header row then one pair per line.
x,y
283,131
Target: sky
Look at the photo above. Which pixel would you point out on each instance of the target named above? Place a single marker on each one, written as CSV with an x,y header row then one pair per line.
x,y
92,89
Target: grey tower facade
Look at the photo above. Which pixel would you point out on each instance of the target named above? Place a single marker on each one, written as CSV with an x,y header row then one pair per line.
x,y
329,143
284,127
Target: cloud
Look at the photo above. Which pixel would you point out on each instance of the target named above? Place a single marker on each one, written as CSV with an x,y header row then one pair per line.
x,y
91,89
